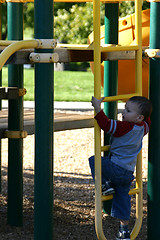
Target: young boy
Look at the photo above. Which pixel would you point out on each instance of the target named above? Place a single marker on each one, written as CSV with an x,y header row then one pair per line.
x,y
125,144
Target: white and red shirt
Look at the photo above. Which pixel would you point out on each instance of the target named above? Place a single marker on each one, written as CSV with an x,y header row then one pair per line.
x,y
126,139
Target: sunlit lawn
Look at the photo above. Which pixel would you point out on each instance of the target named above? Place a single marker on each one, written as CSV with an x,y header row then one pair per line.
x,y
68,85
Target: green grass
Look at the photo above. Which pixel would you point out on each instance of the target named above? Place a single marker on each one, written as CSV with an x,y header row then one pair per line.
x,y
73,86
28,82
68,85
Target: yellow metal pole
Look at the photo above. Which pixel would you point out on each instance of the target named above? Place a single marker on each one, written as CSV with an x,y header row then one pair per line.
x,y
12,48
139,198
138,41
6,43
97,133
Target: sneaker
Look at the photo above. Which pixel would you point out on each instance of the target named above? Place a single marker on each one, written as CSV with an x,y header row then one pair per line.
x,y
107,188
125,235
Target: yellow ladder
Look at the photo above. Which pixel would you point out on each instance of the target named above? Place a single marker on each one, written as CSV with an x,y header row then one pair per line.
x,y
97,132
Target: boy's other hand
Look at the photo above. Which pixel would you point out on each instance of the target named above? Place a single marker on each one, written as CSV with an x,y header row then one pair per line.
x,y
96,103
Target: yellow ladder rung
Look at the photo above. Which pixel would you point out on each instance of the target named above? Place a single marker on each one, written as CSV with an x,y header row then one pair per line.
x,y
134,191
105,148
120,97
74,46
131,192
119,48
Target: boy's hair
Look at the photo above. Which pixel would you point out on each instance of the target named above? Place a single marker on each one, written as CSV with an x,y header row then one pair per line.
x,y
144,105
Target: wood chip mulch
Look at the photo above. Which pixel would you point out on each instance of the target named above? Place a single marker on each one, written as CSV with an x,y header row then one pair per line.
x,y
73,190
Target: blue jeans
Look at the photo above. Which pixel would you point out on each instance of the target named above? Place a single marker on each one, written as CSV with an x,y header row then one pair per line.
x,y
121,180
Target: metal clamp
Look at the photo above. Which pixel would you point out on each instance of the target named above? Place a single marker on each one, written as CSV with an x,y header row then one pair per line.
x,y
152,53
15,134
44,57
22,92
47,43
11,92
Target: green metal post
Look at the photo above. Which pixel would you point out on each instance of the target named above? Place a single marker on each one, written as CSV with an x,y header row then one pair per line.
x,y
154,136
43,214
110,71
15,122
111,67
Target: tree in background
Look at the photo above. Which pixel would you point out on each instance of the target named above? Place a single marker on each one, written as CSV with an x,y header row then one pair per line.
x,y
4,20
28,11
127,8
74,25
72,22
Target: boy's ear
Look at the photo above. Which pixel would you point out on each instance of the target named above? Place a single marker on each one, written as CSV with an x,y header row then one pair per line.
x,y
140,118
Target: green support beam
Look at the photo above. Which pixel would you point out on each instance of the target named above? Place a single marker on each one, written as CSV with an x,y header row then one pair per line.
x,y
111,67
15,122
43,214
110,72
154,136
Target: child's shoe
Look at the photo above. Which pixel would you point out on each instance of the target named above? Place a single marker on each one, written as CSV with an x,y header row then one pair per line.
x,y
107,188
125,235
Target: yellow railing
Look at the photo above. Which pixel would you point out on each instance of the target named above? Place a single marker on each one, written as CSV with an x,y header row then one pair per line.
x,y
12,47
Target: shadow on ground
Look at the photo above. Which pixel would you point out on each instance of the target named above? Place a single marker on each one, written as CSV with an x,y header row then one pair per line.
x,y
73,209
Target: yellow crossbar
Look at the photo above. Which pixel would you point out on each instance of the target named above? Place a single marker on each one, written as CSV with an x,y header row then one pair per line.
x,y
119,97
118,48
131,192
74,46
105,148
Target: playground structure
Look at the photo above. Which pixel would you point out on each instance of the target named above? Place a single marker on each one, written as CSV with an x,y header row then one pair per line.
x,y
44,58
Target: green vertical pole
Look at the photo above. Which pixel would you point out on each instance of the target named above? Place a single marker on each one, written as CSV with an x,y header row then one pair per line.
x,y
110,71
43,215
15,122
111,67
0,99
154,135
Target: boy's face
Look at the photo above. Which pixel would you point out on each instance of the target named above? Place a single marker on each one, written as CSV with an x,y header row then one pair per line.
x,y
131,113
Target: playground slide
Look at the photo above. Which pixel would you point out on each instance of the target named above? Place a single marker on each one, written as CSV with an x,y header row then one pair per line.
x,y
126,68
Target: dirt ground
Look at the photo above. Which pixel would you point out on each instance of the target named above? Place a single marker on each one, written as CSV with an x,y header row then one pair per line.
x,y
74,211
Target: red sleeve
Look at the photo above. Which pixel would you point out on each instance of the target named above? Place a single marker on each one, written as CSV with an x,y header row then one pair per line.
x,y
148,121
113,127
147,125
